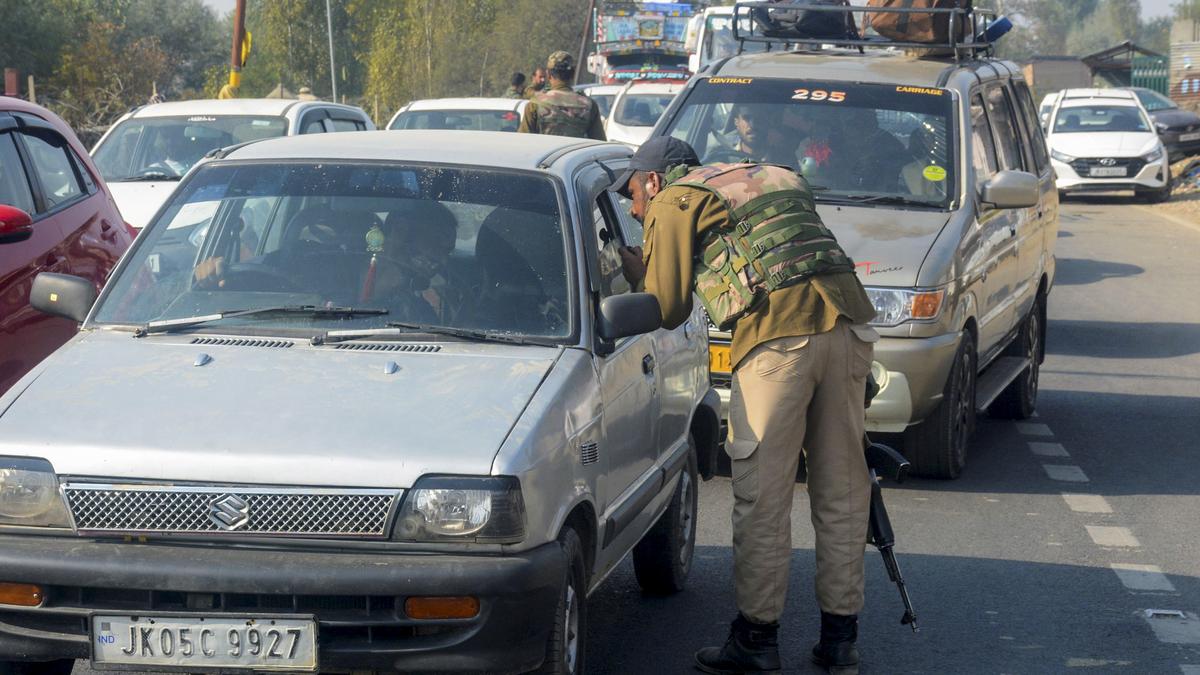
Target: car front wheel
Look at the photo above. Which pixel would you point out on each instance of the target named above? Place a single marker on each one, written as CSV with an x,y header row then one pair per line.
x,y
565,648
937,447
663,558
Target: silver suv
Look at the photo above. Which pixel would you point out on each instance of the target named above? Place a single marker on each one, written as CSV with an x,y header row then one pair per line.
x,y
377,401
935,178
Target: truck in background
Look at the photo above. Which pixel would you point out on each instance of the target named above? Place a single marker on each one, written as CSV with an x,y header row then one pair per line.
x,y
710,38
641,41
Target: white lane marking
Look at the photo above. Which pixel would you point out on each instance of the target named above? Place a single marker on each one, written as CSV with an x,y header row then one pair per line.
x,y
1174,630
1048,449
1066,472
1143,577
1087,503
1116,537
1033,429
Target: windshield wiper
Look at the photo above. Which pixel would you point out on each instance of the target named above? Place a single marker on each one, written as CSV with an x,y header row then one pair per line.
x,y
150,177
398,328
170,325
894,200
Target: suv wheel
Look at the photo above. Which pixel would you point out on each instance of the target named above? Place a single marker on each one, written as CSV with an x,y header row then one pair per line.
x,y
60,667
663,558
1019,399
937,447
565,648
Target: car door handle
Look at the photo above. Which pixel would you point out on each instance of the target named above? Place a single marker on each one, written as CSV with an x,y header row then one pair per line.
x,y
51,260
648,364
106,231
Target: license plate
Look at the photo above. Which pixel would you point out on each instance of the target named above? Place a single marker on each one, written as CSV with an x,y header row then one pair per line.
x,y
258,643
1190,137
719,360
1108,172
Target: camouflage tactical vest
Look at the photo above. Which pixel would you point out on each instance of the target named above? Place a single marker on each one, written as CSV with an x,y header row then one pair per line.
x,y
774,238
563,113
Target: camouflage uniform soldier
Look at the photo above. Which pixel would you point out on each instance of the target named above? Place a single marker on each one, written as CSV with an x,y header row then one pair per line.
x,y
746,239
516,86
559,110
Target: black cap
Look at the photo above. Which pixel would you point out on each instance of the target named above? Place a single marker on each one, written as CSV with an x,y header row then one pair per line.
x,y
659,154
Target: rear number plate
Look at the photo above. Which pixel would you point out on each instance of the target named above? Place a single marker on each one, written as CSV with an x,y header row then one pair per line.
x,y
1108,172
719,359
260,643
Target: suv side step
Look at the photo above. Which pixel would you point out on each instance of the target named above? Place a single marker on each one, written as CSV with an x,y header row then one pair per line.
x,y
998,376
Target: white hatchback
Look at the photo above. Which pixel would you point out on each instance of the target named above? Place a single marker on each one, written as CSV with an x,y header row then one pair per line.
x,y
146,153
1102,140
636,110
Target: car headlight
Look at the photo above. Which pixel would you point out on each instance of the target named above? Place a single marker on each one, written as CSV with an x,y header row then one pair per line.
x,y
29,494
894,306
481,509
1154,155
1161,128
1062,157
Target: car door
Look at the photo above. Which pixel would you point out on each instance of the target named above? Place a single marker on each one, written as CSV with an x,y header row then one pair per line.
x,y
1035,253
994,261
26,335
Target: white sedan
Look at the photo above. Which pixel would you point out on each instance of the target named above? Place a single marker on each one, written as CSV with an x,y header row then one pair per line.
x,y
1102,140
461,114
637,109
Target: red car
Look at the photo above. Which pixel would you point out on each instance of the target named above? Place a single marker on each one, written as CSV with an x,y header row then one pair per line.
x,y
56,215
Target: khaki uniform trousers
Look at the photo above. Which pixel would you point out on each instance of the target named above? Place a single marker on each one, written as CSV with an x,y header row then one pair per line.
x,y
793,395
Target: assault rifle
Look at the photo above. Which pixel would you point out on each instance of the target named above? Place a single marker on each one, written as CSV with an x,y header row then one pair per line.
x,y
884,461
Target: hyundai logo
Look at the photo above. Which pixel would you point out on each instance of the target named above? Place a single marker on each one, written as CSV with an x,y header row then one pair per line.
x,y
229,512
1108,161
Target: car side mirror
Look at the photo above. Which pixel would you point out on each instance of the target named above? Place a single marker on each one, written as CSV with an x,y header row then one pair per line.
x,y
63,295
15,225
1011,190
629,314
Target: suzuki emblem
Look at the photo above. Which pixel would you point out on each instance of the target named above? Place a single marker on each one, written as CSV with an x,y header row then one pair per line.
x,y
229,512
1108,161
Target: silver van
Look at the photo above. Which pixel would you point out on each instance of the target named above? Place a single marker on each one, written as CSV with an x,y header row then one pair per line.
x,y
361,402
934,176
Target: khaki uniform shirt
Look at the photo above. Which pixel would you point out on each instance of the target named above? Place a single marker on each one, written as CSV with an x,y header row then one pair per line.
x,y
533,90
529,119
677,217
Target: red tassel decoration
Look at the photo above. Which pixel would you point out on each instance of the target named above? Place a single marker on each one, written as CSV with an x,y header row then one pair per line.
x,y
368,288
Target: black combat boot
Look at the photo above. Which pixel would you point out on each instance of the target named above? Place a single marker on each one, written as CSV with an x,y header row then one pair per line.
x,y
752,649
836,652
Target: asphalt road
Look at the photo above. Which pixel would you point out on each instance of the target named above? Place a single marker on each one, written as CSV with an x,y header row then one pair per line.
x,y
1014,569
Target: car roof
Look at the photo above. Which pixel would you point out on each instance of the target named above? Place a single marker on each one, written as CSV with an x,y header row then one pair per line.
x,y
602,89
875,66
493,149
1120,94
234,106
655,87
466,103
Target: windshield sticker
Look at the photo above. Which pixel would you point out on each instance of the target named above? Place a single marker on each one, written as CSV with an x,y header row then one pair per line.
x,y
260,123
819,95
202,119
927,91
730,80
934,173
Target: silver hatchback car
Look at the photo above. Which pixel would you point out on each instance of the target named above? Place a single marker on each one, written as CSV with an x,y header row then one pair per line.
x,y
379,401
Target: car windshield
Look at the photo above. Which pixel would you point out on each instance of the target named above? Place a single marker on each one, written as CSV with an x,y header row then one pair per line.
x,y
1154,101
459,120
166,147
604,102
450,247
719,42
1082,119
882,141
642,110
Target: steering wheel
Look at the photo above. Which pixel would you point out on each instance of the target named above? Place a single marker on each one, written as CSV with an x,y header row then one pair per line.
x,y
251,277
157,168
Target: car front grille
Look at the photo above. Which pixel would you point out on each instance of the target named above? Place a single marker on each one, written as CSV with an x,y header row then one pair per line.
x,y
1133,165
177,509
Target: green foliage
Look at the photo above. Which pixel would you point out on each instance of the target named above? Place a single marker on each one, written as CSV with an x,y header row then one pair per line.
x,y
1079,27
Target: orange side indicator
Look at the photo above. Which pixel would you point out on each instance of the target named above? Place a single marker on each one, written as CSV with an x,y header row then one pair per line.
x,y
427,608
21,595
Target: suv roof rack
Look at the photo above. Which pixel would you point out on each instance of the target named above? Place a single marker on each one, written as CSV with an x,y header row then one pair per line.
x,y
967,35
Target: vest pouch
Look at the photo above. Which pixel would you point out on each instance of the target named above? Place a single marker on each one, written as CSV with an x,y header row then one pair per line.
x,y
722,282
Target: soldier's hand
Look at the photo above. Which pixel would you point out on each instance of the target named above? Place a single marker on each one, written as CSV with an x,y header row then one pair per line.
x,y
632,265
210,273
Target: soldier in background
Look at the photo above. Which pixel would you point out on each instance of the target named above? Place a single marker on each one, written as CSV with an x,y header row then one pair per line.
x,y
560,111
538,85
516,86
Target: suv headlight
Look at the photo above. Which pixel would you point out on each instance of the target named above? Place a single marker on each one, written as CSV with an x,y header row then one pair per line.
x,y
894,306
1154,155
481,509
1062,157
29,494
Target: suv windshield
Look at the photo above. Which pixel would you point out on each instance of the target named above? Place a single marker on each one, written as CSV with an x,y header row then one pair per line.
x,y
459,120
849,140
165,148
449,247
1154,101
1081,119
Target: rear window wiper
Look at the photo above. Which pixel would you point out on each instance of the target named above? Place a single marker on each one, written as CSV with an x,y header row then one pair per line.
x,y
170,325
399,328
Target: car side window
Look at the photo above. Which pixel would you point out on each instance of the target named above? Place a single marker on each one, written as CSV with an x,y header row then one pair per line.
x,y
608,243
345,124
1004,124
14,185
54,168
983,146
634,231
89,185
312,122
1037,141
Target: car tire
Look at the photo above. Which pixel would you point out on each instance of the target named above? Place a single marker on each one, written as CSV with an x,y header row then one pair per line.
x,y
1157,196
1019,398
937,447
663,558
60,667
565,649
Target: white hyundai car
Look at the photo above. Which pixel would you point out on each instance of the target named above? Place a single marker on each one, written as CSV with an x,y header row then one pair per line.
x,y
636,110
1102,140
148,151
